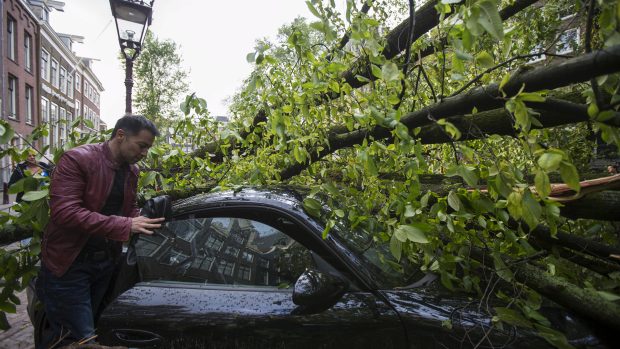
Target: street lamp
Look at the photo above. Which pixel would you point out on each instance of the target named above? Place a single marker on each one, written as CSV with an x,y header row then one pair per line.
x,y
132,19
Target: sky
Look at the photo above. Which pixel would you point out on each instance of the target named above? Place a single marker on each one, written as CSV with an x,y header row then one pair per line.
x,y
214,38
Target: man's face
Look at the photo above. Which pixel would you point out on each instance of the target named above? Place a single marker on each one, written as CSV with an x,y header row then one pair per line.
x,y
134,148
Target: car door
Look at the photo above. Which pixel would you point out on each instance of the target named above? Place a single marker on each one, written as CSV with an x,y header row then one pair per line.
x,y
225,280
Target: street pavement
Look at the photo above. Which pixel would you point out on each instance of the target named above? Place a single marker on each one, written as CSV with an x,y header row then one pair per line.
x,y
21,333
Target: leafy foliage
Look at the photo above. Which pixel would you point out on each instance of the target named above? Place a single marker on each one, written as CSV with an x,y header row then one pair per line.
x,y
298,112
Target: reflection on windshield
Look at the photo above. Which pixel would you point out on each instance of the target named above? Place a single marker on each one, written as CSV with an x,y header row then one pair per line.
x,y
222,251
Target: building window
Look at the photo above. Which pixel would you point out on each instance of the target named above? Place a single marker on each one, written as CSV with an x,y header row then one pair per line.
x,y
45,65
54,72
62,125
28,51
63,74
244,273
11,27
568,41
214,243
69,119
77,82
29,104
226,267
78,111
232,251
70,86
45,118
537,49
248,257
12,88
54,124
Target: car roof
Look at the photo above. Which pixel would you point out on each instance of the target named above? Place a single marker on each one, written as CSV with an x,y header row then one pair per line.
x,y
285,197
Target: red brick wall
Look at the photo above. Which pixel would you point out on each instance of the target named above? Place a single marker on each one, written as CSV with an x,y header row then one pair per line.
x,y
25,23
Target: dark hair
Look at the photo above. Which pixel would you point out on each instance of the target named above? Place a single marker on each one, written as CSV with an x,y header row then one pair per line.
x,y
133,124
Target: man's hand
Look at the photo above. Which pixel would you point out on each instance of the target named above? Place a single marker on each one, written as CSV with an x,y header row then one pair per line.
x,y
143,225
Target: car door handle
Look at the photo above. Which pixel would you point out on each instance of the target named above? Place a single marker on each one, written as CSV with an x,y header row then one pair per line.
x,y
137,337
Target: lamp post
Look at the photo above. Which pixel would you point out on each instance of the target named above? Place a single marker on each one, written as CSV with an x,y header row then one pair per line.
x,y
132,18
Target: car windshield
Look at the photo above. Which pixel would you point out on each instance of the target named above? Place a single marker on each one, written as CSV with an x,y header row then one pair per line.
x,y
362,240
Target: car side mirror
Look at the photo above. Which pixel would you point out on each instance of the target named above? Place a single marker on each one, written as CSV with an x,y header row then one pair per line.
x,y
160,206
316,291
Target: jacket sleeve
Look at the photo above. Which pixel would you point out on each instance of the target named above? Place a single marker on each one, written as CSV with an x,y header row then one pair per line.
x,y
67,203
16,175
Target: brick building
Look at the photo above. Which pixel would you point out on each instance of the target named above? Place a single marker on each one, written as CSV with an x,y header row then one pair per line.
x,y
43,81
19,73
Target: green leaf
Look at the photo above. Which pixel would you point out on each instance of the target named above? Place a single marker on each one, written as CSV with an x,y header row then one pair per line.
x,y
555,338
376,71
550,161
390,72
396,247
313,9
411,233
490,20
512,317
454,201
612,297
485,60
6,132
7,307
312,206
35,195
501,269
531,97
543,185
570,175
531,210
409,211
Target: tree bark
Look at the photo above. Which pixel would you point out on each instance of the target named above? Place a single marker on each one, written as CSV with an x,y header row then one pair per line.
x,y
584,302
577,243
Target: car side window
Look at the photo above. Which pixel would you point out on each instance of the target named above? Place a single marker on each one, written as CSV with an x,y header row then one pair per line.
x,y
222,250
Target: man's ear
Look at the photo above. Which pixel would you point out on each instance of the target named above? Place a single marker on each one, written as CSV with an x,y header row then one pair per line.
x,y
120,134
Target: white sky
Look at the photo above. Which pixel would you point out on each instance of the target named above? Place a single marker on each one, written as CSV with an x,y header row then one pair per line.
x,y
215,37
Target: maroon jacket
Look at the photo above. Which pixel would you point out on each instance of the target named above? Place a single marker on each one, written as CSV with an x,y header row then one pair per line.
x,y
80,187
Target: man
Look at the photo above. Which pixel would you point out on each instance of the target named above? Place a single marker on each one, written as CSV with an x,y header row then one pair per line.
x,y
93,210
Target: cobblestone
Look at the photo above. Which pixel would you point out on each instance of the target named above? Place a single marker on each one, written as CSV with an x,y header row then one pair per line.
x,y
21,333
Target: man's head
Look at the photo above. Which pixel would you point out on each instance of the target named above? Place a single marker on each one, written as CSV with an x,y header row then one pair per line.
x,y
132,137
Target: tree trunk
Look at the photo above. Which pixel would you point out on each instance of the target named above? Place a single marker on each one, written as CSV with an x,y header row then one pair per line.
x,y
584,302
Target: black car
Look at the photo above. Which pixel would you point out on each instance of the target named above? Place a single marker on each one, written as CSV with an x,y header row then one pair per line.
x,y
250,269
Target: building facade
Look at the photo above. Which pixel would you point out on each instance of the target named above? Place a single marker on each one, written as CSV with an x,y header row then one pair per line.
x,y
20,71
44,83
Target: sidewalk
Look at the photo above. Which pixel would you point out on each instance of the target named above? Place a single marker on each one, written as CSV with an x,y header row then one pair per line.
x,y
21,333
7,207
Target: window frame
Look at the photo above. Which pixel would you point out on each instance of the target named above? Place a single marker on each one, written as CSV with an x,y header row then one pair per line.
x,y
11,42
62,79
45,67
13,97
569,49
29,99
54,73
28,52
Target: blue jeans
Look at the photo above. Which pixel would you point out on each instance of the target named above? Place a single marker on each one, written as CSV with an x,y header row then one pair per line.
x,y
71,301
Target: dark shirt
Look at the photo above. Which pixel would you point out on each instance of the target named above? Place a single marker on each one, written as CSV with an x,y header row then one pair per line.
x,y
112,207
